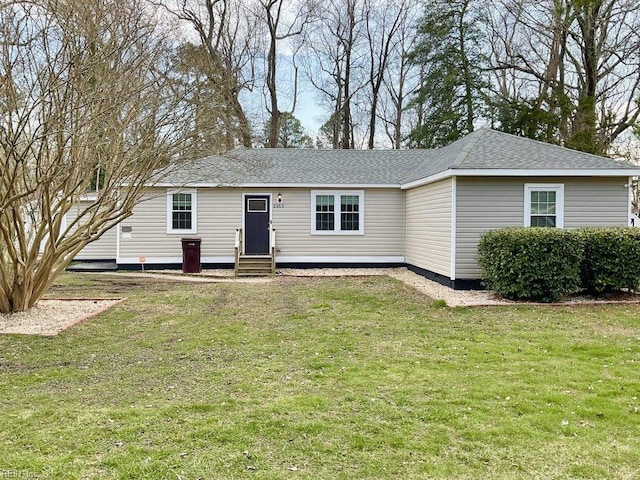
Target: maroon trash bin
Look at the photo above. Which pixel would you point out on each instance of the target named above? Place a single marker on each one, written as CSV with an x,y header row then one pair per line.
x,y
191,255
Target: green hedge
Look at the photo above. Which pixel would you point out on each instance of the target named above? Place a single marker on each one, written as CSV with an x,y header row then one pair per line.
x,y
547,263
531,263
611,259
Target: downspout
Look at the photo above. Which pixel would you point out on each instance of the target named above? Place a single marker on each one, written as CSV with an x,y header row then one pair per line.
x,y
629,200
454,195
118,234
404,226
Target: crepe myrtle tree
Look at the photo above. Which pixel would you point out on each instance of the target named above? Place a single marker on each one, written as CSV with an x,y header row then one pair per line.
x,y
86,112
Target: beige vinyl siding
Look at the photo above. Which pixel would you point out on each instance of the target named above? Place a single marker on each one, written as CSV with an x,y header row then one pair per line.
x,y
102,249
219,213
488,203
428,227
383,226
596,202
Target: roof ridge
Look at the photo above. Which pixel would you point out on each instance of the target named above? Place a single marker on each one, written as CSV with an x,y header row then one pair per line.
x,y
466,150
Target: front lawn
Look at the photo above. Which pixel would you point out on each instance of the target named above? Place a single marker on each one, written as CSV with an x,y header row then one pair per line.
x,y
320,379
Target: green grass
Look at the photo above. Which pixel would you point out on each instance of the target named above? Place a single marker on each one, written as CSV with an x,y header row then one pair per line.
x,y
320,379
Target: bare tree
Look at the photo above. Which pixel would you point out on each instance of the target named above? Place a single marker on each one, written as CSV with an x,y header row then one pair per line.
x,y
84,103
335,67
401,81
383,24
205,102
227,34
284,20
568,71
529,59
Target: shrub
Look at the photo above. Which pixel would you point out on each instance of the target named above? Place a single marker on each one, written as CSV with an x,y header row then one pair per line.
x,y
531,263
611,259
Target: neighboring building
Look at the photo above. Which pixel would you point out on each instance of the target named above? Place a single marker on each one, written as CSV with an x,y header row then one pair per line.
x,y
425,209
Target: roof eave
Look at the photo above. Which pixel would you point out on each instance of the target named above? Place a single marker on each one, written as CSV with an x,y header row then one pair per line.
x,y
509,172
276,185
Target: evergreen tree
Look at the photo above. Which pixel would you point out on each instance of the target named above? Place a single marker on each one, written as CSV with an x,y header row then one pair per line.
x,y
291,133
450,96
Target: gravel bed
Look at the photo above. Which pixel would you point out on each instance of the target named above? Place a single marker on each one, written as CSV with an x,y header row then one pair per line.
x,y
50,317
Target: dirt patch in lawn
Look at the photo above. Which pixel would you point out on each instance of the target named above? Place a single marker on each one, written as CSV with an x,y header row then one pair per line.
x,y
51,316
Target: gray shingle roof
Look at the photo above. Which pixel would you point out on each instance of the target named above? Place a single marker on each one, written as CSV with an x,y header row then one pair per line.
x,y
495,149
383,167
483,150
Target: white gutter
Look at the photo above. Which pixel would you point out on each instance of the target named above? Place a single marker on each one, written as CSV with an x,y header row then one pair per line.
x,y
336,186
508,172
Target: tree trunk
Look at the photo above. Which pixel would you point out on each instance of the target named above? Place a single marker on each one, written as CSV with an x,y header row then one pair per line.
x,y
583,131
466,70
274,122
348,46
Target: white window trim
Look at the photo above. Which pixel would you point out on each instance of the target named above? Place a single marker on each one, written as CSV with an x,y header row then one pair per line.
x,y
194,213
544,187
336,212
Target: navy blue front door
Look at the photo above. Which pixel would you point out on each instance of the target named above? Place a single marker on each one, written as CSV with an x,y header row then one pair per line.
x,y
256,224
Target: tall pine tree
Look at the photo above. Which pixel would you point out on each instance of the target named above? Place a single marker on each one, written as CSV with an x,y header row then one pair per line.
x,y
449,99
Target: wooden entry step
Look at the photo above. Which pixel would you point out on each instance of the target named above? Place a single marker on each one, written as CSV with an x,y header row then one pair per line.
x,y
254,266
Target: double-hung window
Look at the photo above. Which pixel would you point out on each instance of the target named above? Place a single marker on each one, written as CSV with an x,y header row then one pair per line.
x,y
182,212
543,205
337,212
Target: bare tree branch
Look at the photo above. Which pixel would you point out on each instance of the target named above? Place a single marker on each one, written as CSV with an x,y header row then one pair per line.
x,y
85,106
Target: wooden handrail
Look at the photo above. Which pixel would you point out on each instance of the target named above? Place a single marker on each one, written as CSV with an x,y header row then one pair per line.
x,y
238,249
273,250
